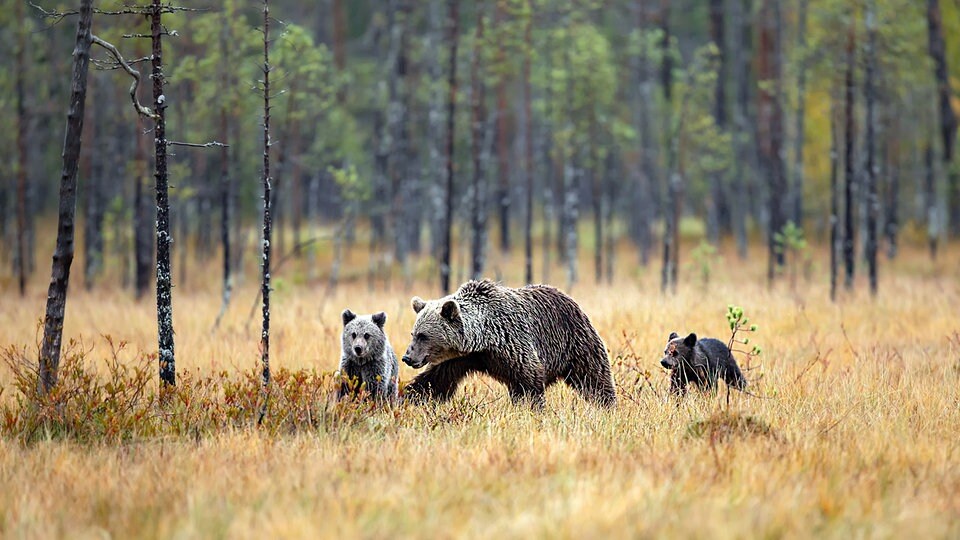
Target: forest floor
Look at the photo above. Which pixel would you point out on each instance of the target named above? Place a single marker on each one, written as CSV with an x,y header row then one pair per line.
x,y
853,431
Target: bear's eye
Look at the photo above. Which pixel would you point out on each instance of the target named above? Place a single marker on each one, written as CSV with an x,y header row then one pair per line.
x,y
353,335
366,336
422,337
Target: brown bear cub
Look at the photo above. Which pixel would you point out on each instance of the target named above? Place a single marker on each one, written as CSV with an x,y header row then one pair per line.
x,y
527,338
367,358
700,361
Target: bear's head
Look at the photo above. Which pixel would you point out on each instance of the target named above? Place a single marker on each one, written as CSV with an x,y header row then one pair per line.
x,y
363,336
679,350
437,334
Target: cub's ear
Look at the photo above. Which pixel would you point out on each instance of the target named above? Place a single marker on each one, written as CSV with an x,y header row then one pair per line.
x,y
450,310
347,316
379,319
417,304
690,340
673,336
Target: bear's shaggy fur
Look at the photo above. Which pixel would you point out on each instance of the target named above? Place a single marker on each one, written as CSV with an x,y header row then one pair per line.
x,y
527,338
701,362
367,357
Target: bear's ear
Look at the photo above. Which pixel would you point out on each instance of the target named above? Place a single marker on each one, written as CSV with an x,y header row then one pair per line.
x,y
673,336
690,340
450,310
417,304
347,316
379,319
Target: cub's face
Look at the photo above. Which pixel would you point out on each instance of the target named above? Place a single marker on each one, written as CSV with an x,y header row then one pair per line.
x,y
678,350
437,333
363,335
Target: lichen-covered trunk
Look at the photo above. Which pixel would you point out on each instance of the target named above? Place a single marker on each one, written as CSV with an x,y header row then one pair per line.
x,y
948,118
848,180
453,10
869,88
63,253
168,372
267,223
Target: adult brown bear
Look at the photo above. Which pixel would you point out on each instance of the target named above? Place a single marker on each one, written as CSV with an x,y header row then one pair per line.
x,y
527,338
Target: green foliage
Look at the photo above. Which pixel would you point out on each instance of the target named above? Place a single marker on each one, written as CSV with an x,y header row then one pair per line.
x,y
791,243
740,323
701,259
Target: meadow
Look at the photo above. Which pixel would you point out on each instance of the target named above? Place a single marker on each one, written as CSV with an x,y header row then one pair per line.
x,y
851,428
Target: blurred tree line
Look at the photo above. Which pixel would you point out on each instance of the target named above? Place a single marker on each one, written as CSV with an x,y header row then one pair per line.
x,y
577,124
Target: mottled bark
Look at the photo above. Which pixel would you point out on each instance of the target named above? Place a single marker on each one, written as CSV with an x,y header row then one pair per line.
x,y
267,223
164,274
63,253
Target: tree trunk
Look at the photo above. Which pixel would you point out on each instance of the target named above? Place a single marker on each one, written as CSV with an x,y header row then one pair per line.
x,y
478,217
142,219
848,136
666,66
742,53
834,197
503,150
596,184
571,177
22,257
434,166
528,145
770,124
869,88
948,118
164,274
93,210
648,192
930,199
718,213
453,7
63,254
267,223
797,189
891,221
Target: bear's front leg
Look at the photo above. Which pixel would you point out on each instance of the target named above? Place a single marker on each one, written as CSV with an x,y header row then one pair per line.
x,y
375,382
678,383
440,381
350,379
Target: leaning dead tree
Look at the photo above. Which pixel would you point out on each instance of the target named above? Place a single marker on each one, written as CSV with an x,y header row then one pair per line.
x,y
265,283
63,253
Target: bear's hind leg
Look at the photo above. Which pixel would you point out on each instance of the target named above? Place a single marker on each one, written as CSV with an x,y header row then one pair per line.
x,y
594,383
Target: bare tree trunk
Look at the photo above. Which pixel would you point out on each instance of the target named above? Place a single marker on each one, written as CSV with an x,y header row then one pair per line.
x,y
63,254
142,219
479,211
23,266
453,7
873,201
503,171
93,210
948,118
742,54
834,202
849,131
666,66
648,195
891,221
930,199
770,122
434,168
596,185
164,275
797,196
571,177
267,224
528,145
718,212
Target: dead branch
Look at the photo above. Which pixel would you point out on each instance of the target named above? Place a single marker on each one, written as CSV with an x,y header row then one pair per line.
x,y
141,110
198,145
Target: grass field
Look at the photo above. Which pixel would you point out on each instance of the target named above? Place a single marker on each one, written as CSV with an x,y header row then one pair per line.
x,y
855,430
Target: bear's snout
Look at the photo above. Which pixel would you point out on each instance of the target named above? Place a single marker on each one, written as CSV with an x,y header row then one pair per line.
x,y
357,349
411,362
668,363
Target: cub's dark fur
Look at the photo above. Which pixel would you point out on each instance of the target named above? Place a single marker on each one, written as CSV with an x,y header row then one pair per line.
x,y
700,362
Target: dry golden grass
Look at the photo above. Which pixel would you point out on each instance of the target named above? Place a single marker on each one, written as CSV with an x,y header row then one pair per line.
x,y
856,435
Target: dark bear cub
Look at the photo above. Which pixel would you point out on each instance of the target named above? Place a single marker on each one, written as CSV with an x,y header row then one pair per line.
x,y
700,362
